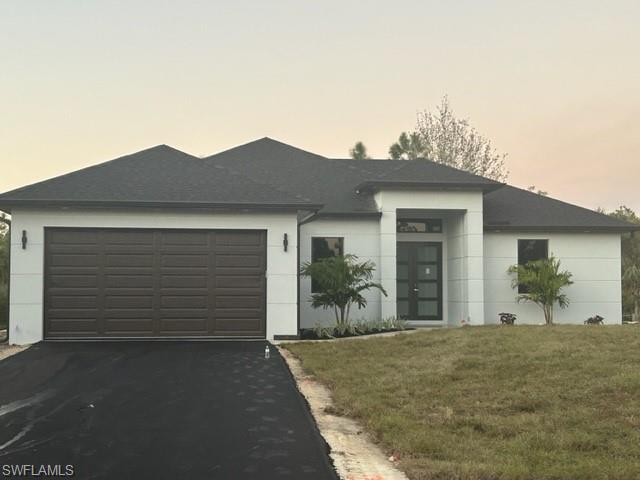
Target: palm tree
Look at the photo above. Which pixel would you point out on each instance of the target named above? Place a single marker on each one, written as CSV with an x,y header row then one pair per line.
x,y
631,278
341,281
543,283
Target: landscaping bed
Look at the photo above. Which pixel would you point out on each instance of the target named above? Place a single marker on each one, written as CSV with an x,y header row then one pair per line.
x,y
480,403
329,333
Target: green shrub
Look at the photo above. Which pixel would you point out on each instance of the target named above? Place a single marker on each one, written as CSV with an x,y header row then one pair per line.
x,y
4,306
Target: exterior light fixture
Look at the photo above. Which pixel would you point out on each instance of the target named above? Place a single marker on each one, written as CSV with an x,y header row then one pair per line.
x,y
285,242
24,239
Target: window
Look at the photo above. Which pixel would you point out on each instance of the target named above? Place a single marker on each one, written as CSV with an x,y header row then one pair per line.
x,y
529,251
324,247
430,225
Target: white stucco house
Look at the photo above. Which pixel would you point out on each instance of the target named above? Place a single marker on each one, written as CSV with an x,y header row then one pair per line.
x,y
163,244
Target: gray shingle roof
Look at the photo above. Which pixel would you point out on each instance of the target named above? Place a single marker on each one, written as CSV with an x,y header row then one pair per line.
x,y
335,182
511,208
160,175
269,174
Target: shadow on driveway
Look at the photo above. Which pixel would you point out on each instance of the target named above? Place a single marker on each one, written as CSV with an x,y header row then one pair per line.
x,y
197,410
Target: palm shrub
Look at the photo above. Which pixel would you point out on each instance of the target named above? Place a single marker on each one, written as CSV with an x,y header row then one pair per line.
x,y
631,281
543,282
341,281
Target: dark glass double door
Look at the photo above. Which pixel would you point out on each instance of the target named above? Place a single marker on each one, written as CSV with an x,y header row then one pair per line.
x,y
419,280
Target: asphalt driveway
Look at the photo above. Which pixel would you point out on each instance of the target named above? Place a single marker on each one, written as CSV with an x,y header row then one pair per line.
x,y
201,410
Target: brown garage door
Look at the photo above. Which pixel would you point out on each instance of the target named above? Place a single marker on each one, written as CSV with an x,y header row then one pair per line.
x,y
127,283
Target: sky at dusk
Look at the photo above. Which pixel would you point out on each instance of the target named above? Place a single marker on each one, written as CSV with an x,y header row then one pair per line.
x,y
554,84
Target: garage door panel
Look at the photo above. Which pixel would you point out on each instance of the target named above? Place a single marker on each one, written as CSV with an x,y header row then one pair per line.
x,y
238,301
239,239
73,301
74,249
74,292
128,237
73,260
129,259
126,324
231,325
180,313
71,313
128,313
129,281
184,281
240,294
70,281
128,301
239,271
92,270
144,283
187,271
181,260
70,327
193,325
73,237
186,238
239,281
184,301
238,261
238,312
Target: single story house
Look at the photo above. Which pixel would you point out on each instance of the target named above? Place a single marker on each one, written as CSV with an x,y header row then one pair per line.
x,y
163,244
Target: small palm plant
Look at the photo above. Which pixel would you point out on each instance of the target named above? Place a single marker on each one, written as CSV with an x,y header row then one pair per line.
x,y
341,280
543,283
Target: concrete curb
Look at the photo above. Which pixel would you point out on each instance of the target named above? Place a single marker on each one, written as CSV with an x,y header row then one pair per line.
x,y
354,455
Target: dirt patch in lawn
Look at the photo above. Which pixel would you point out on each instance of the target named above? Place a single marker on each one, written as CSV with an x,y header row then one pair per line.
x,y
354,455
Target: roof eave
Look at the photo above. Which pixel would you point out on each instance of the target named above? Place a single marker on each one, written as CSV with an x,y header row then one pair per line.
x,y
8,204
562,228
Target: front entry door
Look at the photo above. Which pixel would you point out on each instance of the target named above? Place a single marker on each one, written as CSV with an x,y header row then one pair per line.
x,y
419,280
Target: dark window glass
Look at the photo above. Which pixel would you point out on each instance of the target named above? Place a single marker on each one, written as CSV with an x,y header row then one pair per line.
x,y
324,247
529,251
431,225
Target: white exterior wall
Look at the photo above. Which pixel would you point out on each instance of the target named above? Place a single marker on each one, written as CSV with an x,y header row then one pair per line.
x,y
361,238
26,314
593,259
464,256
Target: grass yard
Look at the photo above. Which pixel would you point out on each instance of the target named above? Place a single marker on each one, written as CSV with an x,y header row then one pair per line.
x,y
521,402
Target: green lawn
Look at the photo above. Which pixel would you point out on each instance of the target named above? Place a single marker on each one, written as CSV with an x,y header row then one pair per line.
x,y
558,402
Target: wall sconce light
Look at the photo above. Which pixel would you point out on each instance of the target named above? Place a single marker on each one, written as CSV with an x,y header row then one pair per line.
x,y
24,239
285,242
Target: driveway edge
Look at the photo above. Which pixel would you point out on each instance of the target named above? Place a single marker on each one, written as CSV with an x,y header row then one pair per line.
x,y
354,455
7,350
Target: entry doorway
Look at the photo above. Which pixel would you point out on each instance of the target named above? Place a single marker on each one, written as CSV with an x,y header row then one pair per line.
x,y
419,280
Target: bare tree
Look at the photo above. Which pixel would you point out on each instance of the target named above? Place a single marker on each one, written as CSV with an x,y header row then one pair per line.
x,y
534,189
443,138
359,152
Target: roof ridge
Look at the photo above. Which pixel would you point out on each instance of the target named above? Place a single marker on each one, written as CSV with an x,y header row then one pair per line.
x,y
266,139
96,166
415,161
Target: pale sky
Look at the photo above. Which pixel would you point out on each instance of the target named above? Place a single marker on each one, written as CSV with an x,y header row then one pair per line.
x,y
555,84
